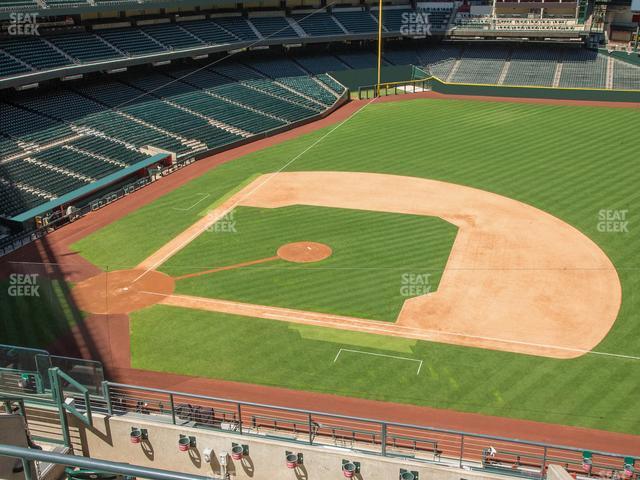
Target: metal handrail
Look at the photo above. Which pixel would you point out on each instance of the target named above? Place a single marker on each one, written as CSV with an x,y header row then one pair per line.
x,y
365,420
29,455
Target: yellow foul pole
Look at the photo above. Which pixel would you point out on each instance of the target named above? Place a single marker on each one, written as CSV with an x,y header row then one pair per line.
x,y
379,47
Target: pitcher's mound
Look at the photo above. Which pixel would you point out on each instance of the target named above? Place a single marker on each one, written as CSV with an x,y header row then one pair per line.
x,y
122,291
304,252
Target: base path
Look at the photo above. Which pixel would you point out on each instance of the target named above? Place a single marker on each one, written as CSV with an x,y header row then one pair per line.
x,y
122,291
517,279
106,338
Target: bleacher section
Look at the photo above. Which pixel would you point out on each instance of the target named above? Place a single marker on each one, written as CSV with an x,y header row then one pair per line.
x,y
626,76
84,47
131,41
317,64
209,32
11,66
583,69
318,24
393,18
33,51
532,67
356,21
485,64
480,65
237,26
440,60
59,140
439,17
278,67
172,36
274,27
12,5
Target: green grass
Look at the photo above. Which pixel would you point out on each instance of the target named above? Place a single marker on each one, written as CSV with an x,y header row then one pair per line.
x,y
43,318
465,379
569,161
372,251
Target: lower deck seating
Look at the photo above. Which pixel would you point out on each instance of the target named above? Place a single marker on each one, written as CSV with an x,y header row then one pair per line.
x,y
394,19
318,24
532,67
273,27
277,67
172,36
209,32
271,105
309,87
356,21
480,65
317,64
237,26
11,66
626,76
59,140
15,199
583,68
33,51
131,41
84,47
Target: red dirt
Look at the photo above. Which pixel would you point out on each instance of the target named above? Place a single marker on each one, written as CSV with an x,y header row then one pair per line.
x,y
228,267
304,252
122,291
542,101
106,338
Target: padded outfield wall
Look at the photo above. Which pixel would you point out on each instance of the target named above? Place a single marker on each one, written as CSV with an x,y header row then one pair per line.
x,y
363,77
552,93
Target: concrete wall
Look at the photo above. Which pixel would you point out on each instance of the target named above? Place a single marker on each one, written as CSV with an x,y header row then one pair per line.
x,y
12,432
109,439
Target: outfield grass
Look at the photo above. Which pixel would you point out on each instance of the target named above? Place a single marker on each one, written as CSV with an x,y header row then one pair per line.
x,y
572,162
373,253
37,321
591,391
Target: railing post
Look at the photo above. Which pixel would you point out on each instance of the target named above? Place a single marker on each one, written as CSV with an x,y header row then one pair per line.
x,y
58,396
26,467
240,418
310,429
544,461
173,409
107,397
39,383
383,439
461,448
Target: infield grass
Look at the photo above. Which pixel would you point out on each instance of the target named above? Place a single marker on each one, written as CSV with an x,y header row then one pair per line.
x,y
377,258
569,161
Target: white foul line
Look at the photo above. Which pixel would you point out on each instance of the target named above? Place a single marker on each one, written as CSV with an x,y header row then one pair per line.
x,y
380,355
206,195
244,195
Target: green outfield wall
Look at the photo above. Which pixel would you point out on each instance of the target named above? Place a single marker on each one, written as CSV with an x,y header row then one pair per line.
x,y
354,79
600,95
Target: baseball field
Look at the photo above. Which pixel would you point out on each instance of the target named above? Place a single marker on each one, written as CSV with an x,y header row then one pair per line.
x,y
479,256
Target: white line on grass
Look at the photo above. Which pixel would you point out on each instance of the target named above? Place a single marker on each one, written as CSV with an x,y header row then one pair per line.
x,y
246,195
380,355
206,195
375,330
